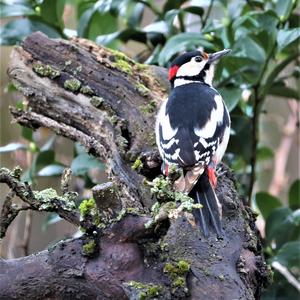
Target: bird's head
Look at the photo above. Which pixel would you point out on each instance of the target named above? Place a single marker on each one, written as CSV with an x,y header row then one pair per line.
x,y
194,66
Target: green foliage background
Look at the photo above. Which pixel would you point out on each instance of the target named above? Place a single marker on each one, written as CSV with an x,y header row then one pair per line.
x,y
264,39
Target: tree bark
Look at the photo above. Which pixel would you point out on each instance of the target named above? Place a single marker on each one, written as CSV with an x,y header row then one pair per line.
x,y
108,103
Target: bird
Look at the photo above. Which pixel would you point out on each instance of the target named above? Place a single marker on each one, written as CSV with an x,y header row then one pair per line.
x,y
192,132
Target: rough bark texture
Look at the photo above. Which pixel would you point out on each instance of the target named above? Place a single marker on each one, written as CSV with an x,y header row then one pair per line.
x,y
112,114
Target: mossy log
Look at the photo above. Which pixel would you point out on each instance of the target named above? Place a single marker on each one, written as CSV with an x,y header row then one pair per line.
x,y
108,103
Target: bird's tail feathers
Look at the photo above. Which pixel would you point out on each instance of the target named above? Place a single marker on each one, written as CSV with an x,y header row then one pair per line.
x,y
210,215
186,182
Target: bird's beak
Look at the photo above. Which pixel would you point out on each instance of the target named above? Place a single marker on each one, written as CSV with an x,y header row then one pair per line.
x,y
213,57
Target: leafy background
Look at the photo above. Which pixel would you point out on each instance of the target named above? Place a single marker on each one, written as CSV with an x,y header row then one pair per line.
x,y
258,80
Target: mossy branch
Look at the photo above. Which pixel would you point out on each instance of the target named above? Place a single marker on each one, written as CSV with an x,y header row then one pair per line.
x,y
45,200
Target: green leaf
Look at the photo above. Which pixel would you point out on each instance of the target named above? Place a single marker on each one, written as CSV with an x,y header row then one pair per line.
x,y
84,21
241,69
83,162
135,15
279,89
172,4
231,96
49,144
248,48
51,170
288,255
124,36
12,147
283,9
27,134
15,31
15,10
266,203
275,72
286,37
274,223
294,195
43,159
160,26
282,226
182,42
264,153
196,10
52,12
95,22
267,20
79,149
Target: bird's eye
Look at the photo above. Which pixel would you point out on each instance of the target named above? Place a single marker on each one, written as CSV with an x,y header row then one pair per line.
x,y
198,59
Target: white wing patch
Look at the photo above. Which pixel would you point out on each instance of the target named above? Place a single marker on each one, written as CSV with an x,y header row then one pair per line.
x,y
222,146
216,117
162,119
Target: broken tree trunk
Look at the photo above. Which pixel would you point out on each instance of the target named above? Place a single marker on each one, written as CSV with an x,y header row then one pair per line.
x,y
107,102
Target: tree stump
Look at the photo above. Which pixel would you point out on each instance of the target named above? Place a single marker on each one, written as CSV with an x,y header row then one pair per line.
x,y
107,102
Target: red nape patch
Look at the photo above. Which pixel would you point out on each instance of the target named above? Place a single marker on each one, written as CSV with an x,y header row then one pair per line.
x,y
172,72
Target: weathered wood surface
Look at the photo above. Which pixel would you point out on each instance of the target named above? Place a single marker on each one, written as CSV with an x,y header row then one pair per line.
x,y
118,131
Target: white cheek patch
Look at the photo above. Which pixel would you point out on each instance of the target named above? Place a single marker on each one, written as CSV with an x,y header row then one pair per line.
x,y
209,75
216,117
191,68
181,81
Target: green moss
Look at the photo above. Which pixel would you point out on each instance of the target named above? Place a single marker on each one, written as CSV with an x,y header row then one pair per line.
x,y
124,211
49,198
137,165
143,90
86,90
86,207
97,101
72,84
46,194
162,188
123,66
145,291
122,62
179,282
132,210
183,266
150,107
46,70
89,248
177,273
141,67
164,246
89,208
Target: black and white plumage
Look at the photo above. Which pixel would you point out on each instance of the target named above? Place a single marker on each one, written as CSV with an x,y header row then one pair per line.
x,y
193,127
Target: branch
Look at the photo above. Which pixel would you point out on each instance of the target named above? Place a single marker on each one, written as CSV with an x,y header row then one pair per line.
x,y
46,200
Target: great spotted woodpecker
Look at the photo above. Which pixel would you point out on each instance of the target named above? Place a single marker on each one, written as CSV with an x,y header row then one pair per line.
x,y
192,132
